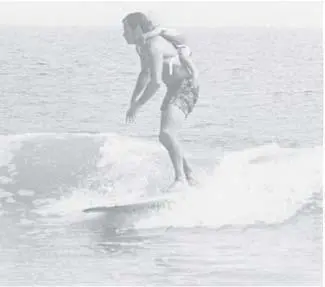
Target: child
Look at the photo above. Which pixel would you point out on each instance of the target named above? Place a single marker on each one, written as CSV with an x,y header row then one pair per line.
x,y
179,42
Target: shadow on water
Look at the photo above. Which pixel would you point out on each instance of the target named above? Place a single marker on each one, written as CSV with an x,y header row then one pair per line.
x,y
114,232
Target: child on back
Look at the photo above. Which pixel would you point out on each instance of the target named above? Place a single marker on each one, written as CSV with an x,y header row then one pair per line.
x,y
179,42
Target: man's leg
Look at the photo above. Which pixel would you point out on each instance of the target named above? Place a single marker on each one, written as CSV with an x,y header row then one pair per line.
x,y
171,120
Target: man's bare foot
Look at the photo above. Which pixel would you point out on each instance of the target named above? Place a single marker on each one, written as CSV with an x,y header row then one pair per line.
x,y
192,181
177,185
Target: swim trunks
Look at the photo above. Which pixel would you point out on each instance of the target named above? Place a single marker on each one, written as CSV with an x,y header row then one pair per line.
x,y
184,96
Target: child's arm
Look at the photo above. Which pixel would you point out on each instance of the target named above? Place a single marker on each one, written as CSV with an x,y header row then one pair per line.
x,y
187,61
155,32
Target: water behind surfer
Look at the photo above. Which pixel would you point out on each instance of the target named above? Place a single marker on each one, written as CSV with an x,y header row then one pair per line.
x,y
162,62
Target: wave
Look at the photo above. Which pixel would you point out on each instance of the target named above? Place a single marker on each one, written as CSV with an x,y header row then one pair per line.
x,y
61,174
267,185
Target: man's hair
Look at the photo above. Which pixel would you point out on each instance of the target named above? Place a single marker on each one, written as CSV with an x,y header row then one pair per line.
x,y
138,19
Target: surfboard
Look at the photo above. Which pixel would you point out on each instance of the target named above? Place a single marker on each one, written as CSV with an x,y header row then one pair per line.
x,y
153,203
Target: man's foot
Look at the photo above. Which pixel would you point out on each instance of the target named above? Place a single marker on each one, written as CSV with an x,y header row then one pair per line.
x,y
177,185
192,181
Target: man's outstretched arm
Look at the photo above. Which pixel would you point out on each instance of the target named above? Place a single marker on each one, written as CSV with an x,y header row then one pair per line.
x,y
142,80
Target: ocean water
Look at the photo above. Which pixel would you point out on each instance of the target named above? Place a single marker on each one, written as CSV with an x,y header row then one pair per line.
x,y
255,140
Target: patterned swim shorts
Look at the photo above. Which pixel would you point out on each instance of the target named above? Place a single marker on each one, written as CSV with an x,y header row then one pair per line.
x,y
184,96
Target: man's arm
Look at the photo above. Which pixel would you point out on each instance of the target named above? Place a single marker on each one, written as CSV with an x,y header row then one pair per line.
x,y
156,67
143,78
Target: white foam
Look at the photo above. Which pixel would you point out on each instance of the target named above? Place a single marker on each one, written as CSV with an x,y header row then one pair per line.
x,y
5,180
38,202
5,194
73,202
268,184
265,184
8,146
26,192
129,163
24,221
10,200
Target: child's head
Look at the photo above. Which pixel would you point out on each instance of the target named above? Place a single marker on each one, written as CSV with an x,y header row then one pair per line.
x,y
152,19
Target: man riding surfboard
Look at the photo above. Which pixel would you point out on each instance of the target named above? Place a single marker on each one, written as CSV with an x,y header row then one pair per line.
x,y
161,63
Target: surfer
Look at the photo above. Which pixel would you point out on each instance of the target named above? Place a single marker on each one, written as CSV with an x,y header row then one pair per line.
x,y
161,63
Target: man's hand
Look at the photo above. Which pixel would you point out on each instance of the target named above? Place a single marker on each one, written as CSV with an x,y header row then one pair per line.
x,y
131,113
